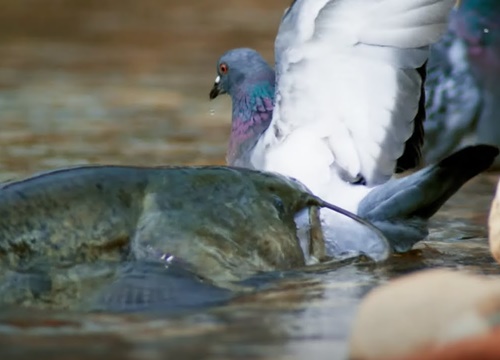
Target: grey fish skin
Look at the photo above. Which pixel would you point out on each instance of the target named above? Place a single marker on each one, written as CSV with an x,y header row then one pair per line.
x,y
148,287
227,223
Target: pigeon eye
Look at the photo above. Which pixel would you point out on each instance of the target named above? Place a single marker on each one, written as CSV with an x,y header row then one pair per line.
x,y
223,68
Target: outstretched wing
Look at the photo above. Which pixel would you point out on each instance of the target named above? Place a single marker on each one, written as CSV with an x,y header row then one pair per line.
x,y
348,87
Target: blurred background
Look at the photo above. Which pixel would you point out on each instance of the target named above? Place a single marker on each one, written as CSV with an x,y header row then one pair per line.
x,y
119,81
127,82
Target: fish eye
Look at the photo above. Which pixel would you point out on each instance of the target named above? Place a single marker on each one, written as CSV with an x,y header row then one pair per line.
x,y
278,204
223,68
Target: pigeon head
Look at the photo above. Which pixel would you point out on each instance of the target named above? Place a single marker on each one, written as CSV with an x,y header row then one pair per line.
x,y
238,68
249,80
482,6
477,23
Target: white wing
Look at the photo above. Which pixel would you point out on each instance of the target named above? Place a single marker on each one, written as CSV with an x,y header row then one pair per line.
x,y
347,87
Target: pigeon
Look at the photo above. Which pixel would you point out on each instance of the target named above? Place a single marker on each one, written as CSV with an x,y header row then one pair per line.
x,y
453,99
463,81
342,113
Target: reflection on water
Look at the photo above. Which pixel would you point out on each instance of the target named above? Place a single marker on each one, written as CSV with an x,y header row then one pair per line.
x,y
127,82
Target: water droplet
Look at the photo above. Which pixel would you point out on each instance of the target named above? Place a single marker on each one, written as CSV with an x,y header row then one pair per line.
x,y
212,111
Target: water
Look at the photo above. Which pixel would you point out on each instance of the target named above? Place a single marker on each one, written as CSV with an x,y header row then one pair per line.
x,y
115,82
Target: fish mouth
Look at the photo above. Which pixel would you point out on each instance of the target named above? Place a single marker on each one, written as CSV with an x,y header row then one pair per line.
x,y
216,89
313,241
310,235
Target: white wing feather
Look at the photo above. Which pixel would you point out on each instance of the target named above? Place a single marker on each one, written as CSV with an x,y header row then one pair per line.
x,y
347,87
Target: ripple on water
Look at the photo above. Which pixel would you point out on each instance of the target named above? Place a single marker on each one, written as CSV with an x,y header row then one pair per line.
x,y
106,82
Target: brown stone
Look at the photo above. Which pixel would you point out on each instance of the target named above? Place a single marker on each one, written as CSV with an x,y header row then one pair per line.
x,y
422,311
494,226
484,347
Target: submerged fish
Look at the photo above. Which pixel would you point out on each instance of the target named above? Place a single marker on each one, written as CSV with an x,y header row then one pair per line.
x,y
223,223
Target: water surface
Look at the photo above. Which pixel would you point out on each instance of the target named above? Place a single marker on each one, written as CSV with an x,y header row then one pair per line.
x,y
127,82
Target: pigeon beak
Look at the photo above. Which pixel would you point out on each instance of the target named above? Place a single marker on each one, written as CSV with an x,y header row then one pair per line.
x,y
216,90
